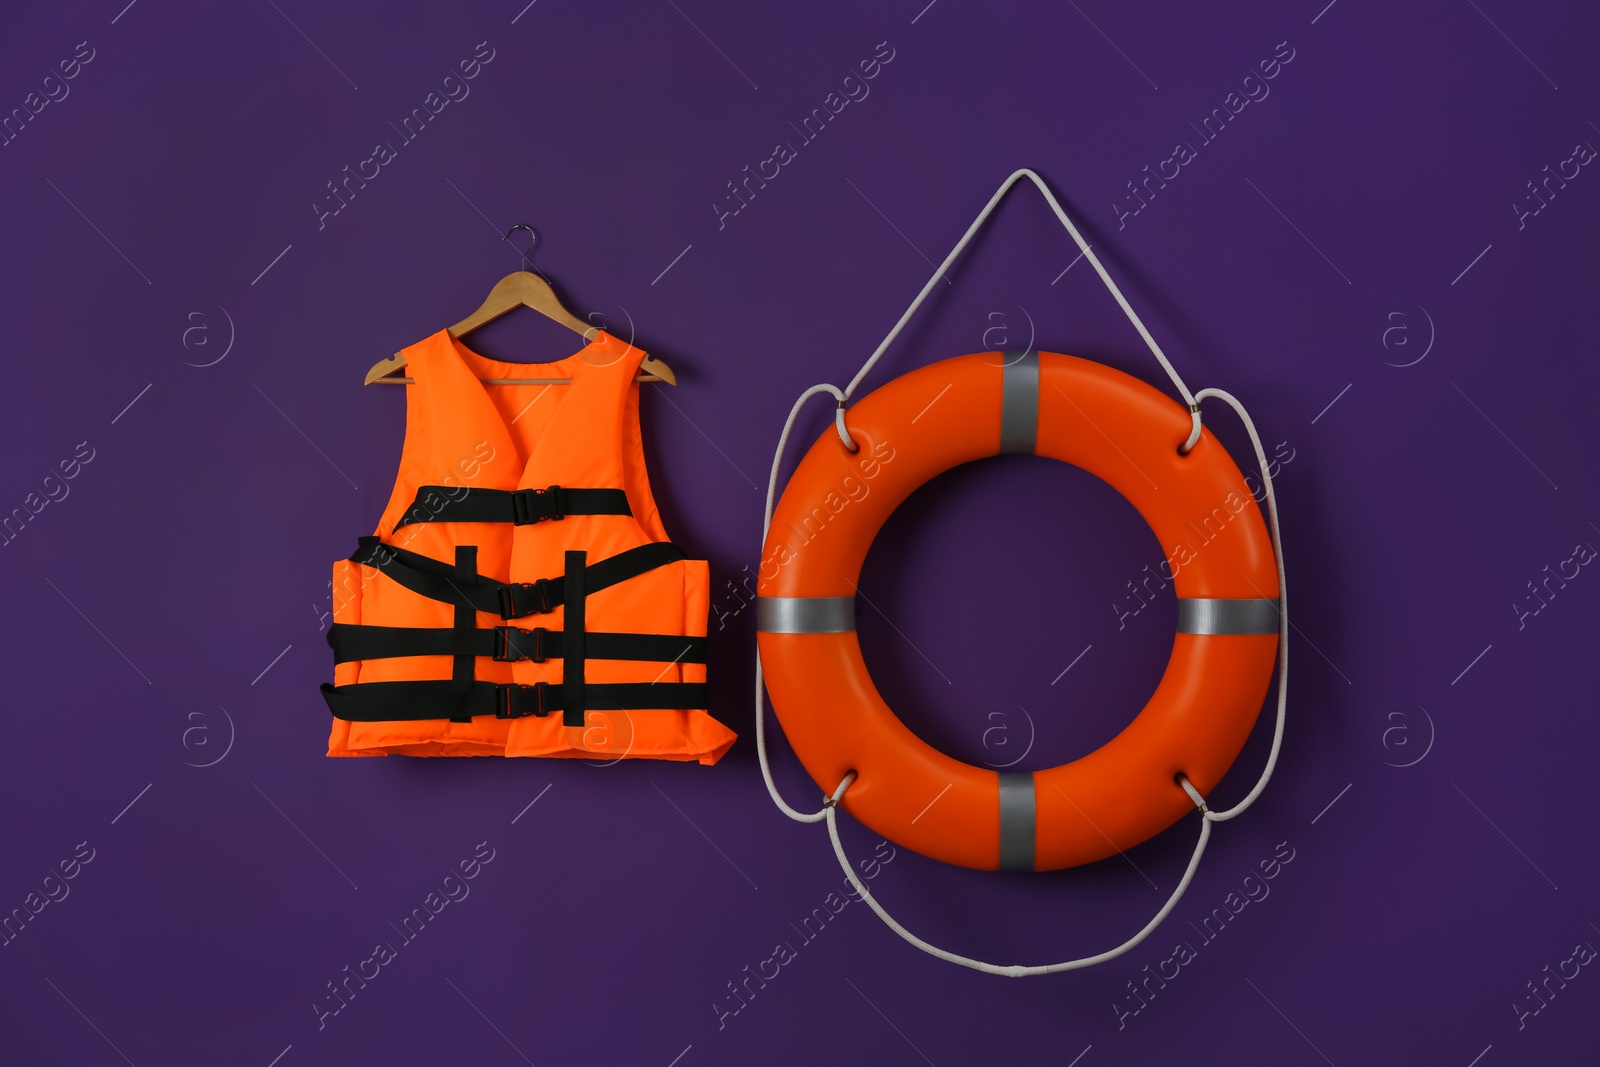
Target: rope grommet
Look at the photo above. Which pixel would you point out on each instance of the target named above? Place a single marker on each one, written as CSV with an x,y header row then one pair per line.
x,y
844,434
845,783
1194,794
1194,429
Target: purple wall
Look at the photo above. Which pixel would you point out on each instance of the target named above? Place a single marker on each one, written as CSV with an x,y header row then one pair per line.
x,y
1357,253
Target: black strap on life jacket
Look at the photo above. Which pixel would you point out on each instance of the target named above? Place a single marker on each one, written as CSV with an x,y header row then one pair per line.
x,y
460,697
522,507
505,644
463,668
440,581
575,595
438,699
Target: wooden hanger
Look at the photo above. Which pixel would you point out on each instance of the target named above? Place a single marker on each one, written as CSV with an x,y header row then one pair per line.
x,y
519,289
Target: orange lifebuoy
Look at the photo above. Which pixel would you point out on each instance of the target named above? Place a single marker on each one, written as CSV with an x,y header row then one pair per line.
x,y
1111,425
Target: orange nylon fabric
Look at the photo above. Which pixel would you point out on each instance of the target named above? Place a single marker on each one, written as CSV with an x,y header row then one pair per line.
x,y
462,432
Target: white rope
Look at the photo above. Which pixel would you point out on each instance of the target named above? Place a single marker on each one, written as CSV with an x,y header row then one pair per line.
x,y
1207,816
766,524
1088,253
1014,970
1283,607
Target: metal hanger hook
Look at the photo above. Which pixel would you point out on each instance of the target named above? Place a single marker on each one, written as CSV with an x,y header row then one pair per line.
x,y
533,239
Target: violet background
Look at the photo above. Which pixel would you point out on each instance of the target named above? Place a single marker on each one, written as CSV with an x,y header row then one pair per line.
x,y
148,606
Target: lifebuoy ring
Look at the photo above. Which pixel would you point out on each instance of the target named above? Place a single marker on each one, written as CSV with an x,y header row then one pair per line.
x,y
1111,425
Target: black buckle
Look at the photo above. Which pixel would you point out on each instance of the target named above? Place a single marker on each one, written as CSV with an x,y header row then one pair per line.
x,y
505,710
529,506
511,609
506,652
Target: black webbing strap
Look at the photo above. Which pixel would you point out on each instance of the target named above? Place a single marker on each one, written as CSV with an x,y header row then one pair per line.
x,y
507,644
438,699
429,577
444,503
461,676
572,640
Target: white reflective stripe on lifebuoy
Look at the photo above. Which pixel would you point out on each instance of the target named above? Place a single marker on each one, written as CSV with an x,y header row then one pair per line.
x,y
1019,402
1016,821
1204,615
805,614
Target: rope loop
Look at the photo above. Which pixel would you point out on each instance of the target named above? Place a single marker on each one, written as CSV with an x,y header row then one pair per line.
x,y
766,526
1087,253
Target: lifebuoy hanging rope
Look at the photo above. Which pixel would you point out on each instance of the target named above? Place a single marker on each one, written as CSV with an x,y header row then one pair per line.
x,y
1233,611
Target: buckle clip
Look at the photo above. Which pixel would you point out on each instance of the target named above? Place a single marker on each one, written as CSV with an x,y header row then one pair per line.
x,y
504,707
529,506
511,609
506,652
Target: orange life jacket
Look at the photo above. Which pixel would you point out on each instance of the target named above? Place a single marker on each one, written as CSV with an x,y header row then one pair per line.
x,y
518,504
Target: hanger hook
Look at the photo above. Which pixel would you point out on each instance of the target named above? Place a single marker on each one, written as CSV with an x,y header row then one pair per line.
x,y
533,239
